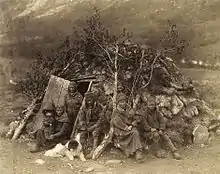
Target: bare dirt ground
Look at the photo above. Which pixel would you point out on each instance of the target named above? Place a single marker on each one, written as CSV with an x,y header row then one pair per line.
x,y
16,159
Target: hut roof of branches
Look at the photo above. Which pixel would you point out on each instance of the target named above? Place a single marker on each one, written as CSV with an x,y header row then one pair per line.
x,y
91,51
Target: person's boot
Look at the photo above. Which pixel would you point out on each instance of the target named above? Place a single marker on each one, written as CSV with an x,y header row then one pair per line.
x,y
173,149
139,156
89,156
95,145
176,155
160,153
155,147
40,143
83,143
35,148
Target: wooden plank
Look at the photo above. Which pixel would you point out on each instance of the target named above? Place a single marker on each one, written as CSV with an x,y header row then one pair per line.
x,y
55,92
63,92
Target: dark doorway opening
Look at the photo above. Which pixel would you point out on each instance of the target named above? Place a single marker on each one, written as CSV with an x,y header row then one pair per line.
x,y
83,87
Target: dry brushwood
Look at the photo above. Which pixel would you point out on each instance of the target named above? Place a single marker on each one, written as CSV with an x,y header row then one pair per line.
x,y
27,114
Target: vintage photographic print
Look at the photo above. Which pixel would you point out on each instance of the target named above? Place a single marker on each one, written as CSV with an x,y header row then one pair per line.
x,y
109,86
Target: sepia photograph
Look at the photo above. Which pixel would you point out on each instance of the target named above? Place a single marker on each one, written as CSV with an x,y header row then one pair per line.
x,y
110,86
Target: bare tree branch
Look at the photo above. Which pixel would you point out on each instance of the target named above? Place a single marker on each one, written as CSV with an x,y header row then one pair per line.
x,y
69,64
152,70
136,77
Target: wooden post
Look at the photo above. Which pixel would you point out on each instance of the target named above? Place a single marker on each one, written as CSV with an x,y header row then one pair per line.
x,y
80,110
108,138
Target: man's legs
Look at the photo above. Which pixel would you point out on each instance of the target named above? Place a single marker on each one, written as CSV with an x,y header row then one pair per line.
x,y
95,136
40,142
173,149
138,145
83,138
156,146
66,130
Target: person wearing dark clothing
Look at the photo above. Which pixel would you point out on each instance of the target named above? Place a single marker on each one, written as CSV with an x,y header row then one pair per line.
x,y
72,102
154,125
126,135
43,136
91,121
63,125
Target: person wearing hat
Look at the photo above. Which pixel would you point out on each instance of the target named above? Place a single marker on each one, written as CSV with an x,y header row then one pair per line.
x,y
154,125
72,102
126,135
91,121
63,125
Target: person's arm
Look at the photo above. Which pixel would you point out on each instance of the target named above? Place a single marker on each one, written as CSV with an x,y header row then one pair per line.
x,y
147,127
161,121
48,131
65,130
134,123
65,103
137,100
119,123
101,118
82,119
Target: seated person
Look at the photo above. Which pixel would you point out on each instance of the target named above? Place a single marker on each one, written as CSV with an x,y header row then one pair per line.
x,y
64,126
126,135
154,125
91,119
48,128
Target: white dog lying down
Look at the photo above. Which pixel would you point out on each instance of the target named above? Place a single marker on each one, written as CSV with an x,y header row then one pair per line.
x,y
71,149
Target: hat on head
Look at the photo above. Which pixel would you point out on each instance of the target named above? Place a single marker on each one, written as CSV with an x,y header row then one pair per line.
x,y
120,86
151,98
121,97
48,106
60,107
72,84
90,95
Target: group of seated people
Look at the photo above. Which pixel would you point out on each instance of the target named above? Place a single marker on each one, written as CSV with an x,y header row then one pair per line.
x,y
131,127
58,122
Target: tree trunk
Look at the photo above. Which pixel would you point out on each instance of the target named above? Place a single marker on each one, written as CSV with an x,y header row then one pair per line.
x,y
108,138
